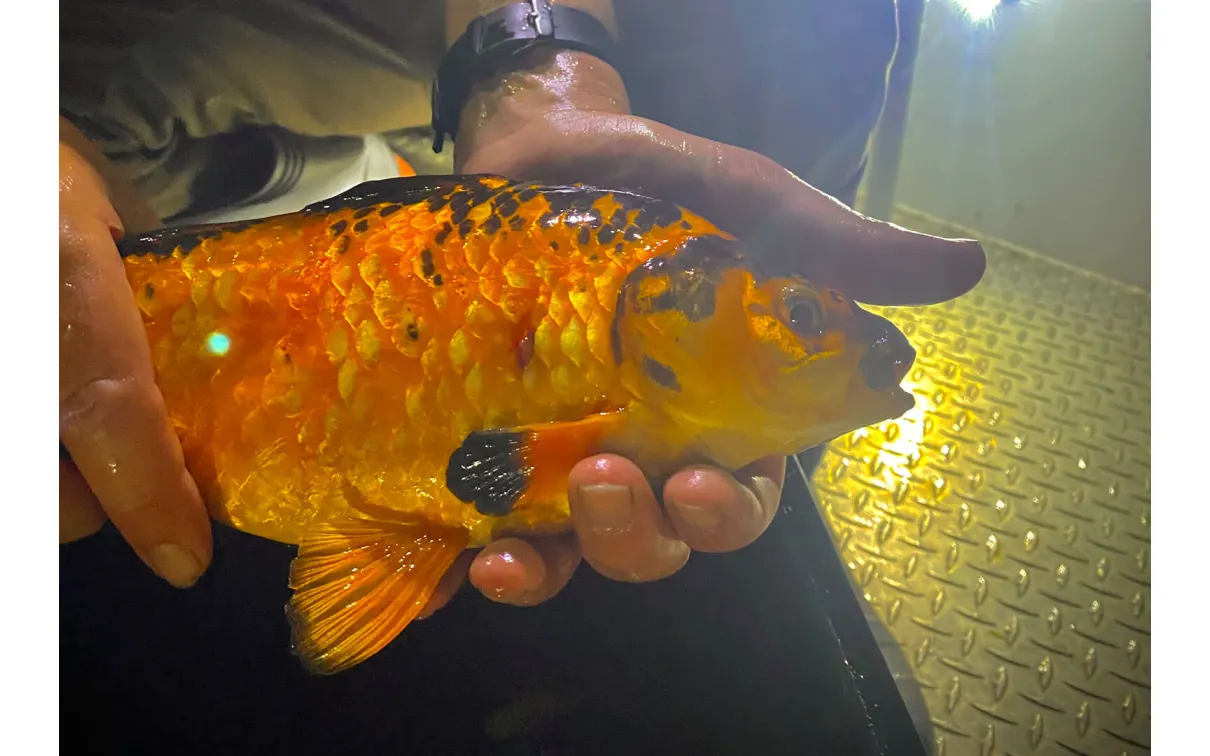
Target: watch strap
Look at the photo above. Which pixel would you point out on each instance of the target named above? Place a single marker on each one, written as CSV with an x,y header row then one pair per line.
x,y
492,40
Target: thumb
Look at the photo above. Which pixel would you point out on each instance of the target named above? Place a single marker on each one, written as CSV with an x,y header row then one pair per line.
x,y
754,198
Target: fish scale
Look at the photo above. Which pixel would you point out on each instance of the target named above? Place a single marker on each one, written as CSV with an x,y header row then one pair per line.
x,y
365,343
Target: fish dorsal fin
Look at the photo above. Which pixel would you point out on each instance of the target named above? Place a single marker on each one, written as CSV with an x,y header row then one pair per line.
x,y
358,583
404,190
165,241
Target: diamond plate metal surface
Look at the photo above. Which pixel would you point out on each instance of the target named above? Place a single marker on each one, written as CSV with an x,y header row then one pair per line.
x,y
1002,529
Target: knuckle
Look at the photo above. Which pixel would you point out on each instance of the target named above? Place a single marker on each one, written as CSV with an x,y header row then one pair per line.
x,y
91,408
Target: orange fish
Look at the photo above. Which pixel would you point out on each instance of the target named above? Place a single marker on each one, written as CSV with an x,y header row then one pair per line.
x,y
412,368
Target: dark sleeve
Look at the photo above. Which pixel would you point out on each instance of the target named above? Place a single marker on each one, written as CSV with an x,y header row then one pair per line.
x,y
800,81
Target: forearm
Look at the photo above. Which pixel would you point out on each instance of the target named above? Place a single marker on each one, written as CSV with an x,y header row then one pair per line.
x,y
136,215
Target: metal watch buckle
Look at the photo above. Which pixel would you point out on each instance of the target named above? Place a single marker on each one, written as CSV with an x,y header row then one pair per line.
x,y
540,12
540,18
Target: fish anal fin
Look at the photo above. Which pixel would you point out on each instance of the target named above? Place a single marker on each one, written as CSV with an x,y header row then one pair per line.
x,y
358,583
499,470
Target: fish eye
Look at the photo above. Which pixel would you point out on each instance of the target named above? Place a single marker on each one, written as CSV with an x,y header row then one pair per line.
x,y
805,317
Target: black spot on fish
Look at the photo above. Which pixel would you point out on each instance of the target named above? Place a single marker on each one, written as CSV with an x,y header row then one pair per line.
x,y
338,228
489,471
617,221
709,251
460,207
516,223
686,225
439,202
630,201
665,214
438,280
554,246
443,234
149,291
341,245
480,192
363,212
619,248
582,204
606,235
631,234
644,220
507,206
549,220
361,226
464,228
661,374
583,236
525,195
413,331
492,224
426,263
389,210
560,201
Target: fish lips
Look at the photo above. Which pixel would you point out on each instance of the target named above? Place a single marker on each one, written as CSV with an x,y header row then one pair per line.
x,y
889,355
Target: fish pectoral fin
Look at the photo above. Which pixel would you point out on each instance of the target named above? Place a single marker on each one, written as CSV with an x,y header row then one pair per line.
x,y
498,470
358,583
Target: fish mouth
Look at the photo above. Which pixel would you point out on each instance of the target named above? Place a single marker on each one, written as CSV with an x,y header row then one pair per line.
x,y
889,356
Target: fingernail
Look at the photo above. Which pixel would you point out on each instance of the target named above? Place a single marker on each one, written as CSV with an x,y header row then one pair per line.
x,y
176,565
703,518
606,507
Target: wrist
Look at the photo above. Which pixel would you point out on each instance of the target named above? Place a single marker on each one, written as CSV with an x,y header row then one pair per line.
x,y
543,85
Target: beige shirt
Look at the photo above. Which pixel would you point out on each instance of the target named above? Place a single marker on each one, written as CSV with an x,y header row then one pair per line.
x,y
241,108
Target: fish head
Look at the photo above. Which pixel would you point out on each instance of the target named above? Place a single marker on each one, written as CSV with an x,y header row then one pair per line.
x,y
753,363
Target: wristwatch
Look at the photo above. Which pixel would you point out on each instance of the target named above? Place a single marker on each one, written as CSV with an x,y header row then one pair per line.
x,y
493,40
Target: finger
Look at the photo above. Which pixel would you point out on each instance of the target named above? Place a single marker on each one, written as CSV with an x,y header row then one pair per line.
x,y
715,511
525,573
112,417
623,533
449,585
757,200
80,514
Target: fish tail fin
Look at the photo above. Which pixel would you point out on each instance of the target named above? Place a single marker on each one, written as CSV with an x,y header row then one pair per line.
x,y
358,583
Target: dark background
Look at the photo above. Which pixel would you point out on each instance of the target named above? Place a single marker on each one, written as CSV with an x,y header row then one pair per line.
x,y
761,651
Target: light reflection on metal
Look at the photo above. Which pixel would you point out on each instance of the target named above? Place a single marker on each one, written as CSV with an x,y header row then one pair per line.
x,y
1009,511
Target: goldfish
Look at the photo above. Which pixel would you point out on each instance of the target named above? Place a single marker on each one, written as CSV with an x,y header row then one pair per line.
x,y
410,369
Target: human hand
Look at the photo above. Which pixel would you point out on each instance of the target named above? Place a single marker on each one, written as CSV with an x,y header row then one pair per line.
x,y
126,463
565,119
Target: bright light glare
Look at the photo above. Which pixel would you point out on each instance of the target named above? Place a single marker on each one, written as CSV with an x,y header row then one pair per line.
x,y
978,10
218,343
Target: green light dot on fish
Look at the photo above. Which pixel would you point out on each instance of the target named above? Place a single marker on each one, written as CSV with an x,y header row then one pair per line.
x,y
218,343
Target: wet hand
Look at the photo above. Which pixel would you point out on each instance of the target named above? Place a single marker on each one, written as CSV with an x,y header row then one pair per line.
x,y
126,463
566,119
